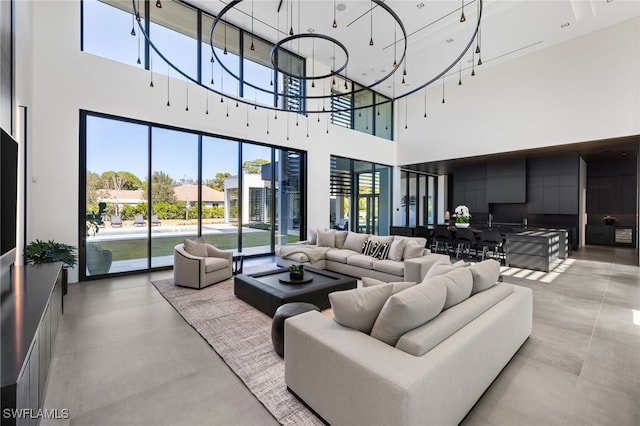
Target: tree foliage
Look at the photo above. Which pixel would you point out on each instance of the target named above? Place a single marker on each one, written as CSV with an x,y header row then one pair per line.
x,y
254,167
218,182
161,188
120,180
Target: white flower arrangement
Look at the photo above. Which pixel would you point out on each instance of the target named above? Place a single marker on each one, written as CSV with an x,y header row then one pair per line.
x,y
462,215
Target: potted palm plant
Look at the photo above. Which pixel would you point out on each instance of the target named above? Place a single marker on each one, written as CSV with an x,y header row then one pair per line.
x,y
98,259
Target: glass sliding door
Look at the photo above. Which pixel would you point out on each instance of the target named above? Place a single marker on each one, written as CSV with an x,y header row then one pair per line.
x,y
220,202
174,193
147,187
116,165
288,190
257,198
418,195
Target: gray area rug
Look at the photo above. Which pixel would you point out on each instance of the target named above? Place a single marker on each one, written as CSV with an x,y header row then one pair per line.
x,y
241,335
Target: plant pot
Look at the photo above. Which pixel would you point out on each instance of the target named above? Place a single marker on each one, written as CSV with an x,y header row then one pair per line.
x,y
296,276
99,261
462,225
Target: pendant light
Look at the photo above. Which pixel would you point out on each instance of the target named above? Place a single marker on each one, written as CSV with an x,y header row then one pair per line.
x,y
443,89
168,80
335,24
371,26
462,18
158,4
425,102
252,47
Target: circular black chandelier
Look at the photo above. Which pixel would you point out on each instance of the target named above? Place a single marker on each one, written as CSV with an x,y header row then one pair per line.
x,y
336,56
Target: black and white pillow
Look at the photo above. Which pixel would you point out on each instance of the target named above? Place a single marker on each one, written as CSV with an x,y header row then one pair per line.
x,y
383,251
373,248
365,247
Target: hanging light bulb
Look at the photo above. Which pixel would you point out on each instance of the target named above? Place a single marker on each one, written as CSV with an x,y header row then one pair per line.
x,y
462,18
133,25
159,4
335,24
371,25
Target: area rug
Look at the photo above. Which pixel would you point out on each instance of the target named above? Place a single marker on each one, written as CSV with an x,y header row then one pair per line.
x,y
241,335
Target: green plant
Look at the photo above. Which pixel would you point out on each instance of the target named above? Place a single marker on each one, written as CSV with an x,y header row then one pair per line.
x,y
39,251
296,269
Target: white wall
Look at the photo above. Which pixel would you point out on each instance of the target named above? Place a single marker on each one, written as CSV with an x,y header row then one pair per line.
x,y
66,80
584,89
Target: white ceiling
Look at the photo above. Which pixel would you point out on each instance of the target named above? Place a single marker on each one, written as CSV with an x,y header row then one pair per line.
x,y
509,29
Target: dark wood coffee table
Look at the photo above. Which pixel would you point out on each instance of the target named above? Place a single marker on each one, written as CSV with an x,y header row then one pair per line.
x,y
266,292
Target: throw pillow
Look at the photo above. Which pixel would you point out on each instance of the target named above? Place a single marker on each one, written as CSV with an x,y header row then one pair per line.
x,y
326,238
341,237
396,250
373,248
366,246
195,248
313,236
407,310
412,251
359,308
485,275
458,282
354,241
442,269
383,251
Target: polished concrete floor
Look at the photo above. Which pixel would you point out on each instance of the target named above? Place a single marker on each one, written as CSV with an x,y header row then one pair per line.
x,y
124,356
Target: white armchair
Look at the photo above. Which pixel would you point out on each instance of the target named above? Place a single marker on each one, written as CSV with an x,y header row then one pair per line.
x,y
194,271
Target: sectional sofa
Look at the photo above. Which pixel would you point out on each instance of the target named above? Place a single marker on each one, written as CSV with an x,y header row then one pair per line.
x,y
403,354
387,258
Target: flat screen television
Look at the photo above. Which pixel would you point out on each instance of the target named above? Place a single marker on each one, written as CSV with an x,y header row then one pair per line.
x,y
8,199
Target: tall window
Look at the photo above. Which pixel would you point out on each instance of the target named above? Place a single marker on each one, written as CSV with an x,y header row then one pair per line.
x,y
147,187
417,199
360,196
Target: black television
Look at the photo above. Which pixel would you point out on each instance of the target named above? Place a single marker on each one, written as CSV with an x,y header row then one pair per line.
x,y
8,199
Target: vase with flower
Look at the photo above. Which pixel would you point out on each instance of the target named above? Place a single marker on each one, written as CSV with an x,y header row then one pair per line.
x,y
462,215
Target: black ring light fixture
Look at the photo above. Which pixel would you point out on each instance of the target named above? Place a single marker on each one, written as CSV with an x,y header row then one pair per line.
x,y
333,73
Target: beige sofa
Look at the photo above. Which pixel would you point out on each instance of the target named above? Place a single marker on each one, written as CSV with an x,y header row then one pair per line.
x,y
341,252
433,375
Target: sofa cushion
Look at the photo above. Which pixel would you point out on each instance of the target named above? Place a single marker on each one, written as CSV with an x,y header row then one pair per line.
x,y
361,260
421,340
340,255
341,237
407,310
485,275
412,251
397,249
354,241
396,285
212,264
421,241
359,308
326,238
390,267
195,248
458,282
442,269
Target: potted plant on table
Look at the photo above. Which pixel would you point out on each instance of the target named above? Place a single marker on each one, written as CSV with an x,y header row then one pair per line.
x,y
296,272
462,215
38,251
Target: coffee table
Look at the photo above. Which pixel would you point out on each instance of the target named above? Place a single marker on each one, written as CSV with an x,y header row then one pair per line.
x,y
266,292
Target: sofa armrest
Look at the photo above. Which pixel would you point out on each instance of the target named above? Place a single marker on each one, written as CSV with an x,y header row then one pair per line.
x,y
415,269
188,270
213,251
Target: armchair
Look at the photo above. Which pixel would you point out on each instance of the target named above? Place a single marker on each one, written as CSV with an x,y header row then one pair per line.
x,y
199,271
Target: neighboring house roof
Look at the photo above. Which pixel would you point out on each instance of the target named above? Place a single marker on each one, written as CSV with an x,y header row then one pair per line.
x,y
190,193
127,196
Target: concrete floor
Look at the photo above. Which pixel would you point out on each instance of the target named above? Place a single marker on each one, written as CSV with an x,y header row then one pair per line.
x,y
124,356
